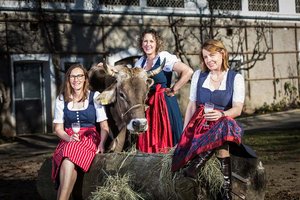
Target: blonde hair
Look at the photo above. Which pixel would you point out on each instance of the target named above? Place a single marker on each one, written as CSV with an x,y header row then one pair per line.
x,y
66,89
213,46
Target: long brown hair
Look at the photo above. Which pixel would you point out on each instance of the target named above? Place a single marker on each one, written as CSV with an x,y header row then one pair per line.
x,y
157,38
213,46
66,89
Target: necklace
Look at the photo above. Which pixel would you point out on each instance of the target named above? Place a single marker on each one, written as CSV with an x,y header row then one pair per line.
x,y
78,101
218,79
78,105
77,97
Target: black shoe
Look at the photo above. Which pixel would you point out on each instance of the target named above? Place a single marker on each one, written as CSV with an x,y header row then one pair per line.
x,y
196,164
225,193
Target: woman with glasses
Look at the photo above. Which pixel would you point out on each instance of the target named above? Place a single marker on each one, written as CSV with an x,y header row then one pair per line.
x,y
78,146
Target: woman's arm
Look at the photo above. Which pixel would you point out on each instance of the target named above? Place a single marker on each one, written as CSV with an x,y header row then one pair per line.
x,y
60,132
184,72
190,110
237,101
233,112
104,130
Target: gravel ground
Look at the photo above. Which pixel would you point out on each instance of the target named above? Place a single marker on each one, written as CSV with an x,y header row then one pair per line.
x,y
19,170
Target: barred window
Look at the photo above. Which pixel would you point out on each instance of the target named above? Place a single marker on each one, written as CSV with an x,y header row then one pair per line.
x,y
166,3
264,5
297,2
120,2
225,4
59,1
50,1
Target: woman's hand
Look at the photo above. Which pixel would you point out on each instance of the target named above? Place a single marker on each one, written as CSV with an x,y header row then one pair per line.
x,y
74,137
100,148
170,92
104,133
213,115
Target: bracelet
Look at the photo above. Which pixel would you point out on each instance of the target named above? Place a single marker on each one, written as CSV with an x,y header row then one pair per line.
x,y
223,113
172,90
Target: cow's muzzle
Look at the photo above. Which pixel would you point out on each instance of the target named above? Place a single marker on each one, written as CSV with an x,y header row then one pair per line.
x,y
137,125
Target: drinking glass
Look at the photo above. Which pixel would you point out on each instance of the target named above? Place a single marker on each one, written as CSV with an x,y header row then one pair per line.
x,y
76,127
208,107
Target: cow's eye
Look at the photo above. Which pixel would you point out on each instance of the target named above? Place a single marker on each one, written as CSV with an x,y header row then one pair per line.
x,y
122,95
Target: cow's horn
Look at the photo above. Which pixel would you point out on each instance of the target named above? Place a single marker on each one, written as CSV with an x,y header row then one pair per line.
x,y
152,73
108,70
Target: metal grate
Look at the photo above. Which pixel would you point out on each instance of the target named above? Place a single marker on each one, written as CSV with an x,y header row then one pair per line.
x,y
120,2
47,1
166,3
297,2
264,5
59,1
225,4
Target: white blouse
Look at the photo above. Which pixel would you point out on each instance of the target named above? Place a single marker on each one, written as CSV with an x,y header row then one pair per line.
x,y
171,59
238,86
60,104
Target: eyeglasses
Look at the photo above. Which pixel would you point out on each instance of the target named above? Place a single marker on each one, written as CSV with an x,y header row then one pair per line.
x,y
78,76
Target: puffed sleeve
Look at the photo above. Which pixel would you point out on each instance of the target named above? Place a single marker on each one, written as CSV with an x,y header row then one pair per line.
x,y
59,110
238,89
139,62
193,88
100,110
171,59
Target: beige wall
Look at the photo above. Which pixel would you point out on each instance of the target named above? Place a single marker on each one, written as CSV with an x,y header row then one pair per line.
x,y
95,35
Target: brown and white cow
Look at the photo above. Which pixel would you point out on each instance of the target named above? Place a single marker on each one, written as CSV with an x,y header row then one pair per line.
x,y
124,92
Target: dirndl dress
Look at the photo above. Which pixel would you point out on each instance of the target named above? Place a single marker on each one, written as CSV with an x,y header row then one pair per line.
x,y
164,117
83,152
197,138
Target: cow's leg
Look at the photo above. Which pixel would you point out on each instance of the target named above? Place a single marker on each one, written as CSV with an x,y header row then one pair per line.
x,y
118,143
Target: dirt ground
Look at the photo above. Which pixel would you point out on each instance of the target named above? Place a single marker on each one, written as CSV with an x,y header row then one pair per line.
x,y
18,174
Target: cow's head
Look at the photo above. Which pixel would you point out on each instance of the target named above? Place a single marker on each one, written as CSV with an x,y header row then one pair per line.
x,y
128,94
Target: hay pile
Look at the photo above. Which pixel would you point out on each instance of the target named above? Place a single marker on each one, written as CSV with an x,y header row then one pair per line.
x,y
117,187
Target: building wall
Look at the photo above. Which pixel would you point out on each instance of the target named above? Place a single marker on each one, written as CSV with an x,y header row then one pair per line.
x,y
89,34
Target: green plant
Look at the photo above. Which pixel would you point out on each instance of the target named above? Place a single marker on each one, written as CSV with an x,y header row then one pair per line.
x,y
290,101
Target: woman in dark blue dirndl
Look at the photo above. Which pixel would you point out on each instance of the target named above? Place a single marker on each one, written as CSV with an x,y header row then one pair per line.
x,y
225,89
164,118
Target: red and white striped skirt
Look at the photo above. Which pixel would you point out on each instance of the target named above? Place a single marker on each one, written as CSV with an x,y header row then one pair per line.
x,y
80,153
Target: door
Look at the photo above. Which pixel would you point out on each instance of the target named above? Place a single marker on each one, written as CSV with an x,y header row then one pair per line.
x,y
28,99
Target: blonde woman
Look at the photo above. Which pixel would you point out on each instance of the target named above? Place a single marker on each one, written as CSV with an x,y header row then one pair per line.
x,y
219,85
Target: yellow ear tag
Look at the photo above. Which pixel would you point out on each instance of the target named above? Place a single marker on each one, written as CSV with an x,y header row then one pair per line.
x,y
103,100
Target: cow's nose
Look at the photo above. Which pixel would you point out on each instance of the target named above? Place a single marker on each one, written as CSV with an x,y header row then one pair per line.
x,y
139,125
135,123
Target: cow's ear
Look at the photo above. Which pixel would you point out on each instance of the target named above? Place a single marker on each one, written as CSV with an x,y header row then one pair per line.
x,y
108,96
150,82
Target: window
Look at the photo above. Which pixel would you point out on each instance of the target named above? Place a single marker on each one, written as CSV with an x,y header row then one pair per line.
x,y
27,80
58,1
166,3
50,1
225,4
297,3
264,5
120,2
66,62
